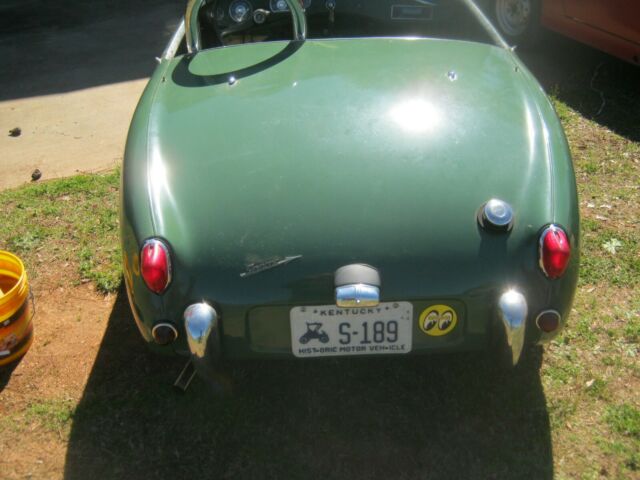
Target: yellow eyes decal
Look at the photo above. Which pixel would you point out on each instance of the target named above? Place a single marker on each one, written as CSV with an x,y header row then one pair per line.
x,y
438,320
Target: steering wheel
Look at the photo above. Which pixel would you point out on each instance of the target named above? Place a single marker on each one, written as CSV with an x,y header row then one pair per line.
x,y
192,23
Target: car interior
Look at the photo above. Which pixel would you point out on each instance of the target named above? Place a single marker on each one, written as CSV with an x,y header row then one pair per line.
x,y
230,22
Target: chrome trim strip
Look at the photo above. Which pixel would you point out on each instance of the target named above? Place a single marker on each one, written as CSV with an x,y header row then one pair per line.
x,y
488,26
513,309
357,295
174,43
192,25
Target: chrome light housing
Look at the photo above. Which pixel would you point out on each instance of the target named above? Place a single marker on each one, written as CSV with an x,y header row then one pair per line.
x,y
496,214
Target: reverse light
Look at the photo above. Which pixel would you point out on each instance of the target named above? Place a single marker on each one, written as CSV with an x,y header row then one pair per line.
x,y
155,265
555,251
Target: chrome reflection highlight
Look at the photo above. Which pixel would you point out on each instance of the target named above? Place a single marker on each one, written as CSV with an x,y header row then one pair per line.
x,y
161,197
415,115
201,325
512,310
357,295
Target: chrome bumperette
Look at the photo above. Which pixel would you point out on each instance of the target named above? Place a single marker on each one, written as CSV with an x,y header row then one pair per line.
x,y
192,25
512,310
203,337
357,295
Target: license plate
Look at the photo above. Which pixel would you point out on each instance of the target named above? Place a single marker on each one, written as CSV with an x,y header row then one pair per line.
x,y
327,331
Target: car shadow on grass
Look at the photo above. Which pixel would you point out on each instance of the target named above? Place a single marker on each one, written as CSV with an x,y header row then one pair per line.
x,y
446,416
600,87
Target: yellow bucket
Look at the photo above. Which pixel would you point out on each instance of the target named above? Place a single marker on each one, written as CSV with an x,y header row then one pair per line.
x,y
16,311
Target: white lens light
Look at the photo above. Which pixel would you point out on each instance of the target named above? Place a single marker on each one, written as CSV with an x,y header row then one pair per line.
x,y
498,213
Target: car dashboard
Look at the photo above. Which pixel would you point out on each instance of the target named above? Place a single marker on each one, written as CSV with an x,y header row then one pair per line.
x,y
228,22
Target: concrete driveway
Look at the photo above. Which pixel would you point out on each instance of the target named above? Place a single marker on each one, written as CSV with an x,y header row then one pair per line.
x,y
72,74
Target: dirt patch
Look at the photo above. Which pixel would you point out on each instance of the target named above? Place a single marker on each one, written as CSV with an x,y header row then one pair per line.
x,y
88,129
69,325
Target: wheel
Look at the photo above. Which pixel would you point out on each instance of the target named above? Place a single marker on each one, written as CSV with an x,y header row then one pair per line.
x,y
517,20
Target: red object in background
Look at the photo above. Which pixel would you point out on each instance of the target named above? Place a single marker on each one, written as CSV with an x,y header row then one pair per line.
x,y
612,26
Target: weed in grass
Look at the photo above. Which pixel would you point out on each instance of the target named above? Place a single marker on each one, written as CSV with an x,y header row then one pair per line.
x,y
583,328
51,414
563,373
628,454
624,419
597,388
612,361
27,241
560,411
632,327
609,256
590,168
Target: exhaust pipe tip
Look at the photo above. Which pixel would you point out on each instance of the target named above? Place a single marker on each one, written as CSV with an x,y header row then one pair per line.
x,y
164,333
548,321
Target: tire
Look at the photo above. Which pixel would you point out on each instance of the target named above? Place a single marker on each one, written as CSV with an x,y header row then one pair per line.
x,y
518,21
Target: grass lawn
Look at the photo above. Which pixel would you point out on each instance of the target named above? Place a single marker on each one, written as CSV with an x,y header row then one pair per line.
x,y
572,411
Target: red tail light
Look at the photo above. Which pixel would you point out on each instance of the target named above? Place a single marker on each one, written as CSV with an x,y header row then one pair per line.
x,y
155,265
554,251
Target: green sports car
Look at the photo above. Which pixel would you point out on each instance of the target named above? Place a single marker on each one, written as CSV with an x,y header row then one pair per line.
x,y
336,177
